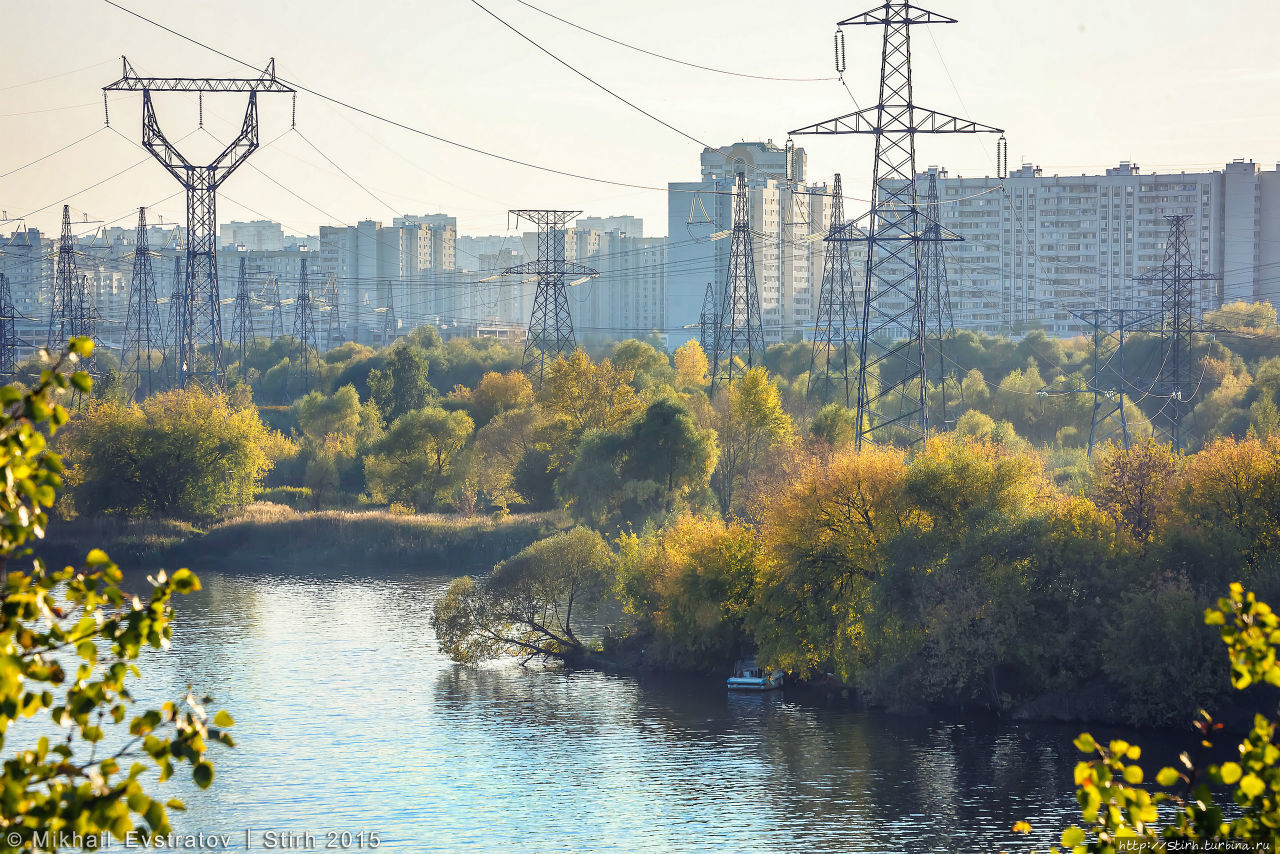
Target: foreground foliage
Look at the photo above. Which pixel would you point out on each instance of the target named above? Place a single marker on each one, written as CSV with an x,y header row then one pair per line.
x,y
67,640
1121,815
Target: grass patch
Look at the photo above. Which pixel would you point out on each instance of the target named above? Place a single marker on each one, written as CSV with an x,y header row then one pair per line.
x,y
266,537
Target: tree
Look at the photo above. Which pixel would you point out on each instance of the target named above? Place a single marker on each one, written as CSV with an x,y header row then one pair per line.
x,y
651,467
834,426
416,463
1114,805
496,393
1136,486
589,395
183,454
647,365
691,586
750,421
52,620
320,416
531,605
402,387
691,365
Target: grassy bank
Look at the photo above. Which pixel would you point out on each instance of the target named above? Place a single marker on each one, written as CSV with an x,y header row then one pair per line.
x,y
273,537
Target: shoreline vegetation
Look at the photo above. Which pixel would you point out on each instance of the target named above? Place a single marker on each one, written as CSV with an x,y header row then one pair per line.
x,y
1000,567
265,535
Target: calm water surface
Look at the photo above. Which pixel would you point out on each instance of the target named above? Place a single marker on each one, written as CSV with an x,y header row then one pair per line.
x,y
349,719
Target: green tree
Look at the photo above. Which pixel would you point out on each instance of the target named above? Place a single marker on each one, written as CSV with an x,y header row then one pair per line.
x,y
53,621
655,465
416,463
320,416
402,387
183,454
531,605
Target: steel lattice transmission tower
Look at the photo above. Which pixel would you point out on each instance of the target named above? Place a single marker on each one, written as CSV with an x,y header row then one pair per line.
x,y
707,326
738,329
304,330
550,325
891,365
242,333
201,324
142,352
71,314
1109,383
940,320
275,308
173,326
1177,278
837,326
333,325
8,330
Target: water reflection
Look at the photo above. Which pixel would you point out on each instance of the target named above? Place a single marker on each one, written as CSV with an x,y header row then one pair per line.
x,y
349,719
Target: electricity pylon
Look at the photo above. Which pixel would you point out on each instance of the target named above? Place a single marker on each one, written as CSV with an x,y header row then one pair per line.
x,y
71,314
242,333
8,330
837,325
550,325
304,330
1109,383
707,326
329,296
939,317
144,328
891,364
202,305
173,328
739,332
1177,278
275,308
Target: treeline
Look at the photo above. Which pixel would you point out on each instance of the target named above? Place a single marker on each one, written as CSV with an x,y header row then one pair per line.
x,y
962,576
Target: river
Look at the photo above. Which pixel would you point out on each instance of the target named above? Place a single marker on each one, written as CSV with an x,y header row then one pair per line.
x,y
349,720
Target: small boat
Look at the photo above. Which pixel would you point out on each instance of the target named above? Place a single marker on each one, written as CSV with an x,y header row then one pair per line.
x,y
749,676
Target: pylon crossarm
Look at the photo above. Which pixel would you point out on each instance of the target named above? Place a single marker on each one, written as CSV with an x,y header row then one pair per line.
x,y
897,13
131,82
567,268
896,118
154,140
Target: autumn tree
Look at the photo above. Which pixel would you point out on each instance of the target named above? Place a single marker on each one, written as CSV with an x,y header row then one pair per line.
x,y
589,395
691,590
1136,485
496,393
182,454
691,365
750,421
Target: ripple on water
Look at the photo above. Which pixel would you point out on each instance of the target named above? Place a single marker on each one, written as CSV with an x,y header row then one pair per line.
x,y
349,719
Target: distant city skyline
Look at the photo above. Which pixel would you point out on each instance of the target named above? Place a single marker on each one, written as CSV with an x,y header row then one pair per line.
x,y
1079,87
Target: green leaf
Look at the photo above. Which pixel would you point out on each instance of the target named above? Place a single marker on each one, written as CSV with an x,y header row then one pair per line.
x,y
202,774
223,719
1132,774
1167,777
1252,785
1085,743
96,558
1072,836
1230,772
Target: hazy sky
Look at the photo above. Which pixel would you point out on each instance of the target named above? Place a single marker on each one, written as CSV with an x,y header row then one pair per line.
x,y
1077,85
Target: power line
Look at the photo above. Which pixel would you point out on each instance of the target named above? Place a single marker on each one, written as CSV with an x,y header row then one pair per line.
x,y
672,58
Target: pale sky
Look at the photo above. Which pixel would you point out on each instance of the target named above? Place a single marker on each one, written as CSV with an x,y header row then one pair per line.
x,y
1078,86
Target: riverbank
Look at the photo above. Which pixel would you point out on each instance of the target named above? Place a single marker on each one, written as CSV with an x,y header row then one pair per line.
x,y
266,536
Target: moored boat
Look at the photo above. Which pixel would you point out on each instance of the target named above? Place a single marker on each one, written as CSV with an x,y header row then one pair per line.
x,y
749,676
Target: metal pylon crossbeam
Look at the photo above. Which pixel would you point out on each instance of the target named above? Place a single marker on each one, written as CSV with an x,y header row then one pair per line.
x,y
891,369
550,325
1108,382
